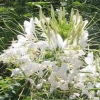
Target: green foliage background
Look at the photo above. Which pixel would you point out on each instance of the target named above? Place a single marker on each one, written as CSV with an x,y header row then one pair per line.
x,y
12,15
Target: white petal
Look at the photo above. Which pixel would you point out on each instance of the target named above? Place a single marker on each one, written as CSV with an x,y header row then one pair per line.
x,y
85,23
59,41
64,44
98,92
21,38
39,86
51,89
15,71
29,27
32,27
31,81
97,85
26,24
89,58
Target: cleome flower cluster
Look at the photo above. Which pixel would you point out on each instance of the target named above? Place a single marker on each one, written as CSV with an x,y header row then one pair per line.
x,y
56,51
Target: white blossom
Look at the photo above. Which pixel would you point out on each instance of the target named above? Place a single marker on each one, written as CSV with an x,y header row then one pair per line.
x,y
60,62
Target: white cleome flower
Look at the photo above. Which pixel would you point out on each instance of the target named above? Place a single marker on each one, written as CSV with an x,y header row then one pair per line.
x,y
54,57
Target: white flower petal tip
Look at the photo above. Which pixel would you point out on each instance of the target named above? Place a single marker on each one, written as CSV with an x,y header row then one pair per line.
x,y
29,27
31,81
15,72
89,58
57,41
39,86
